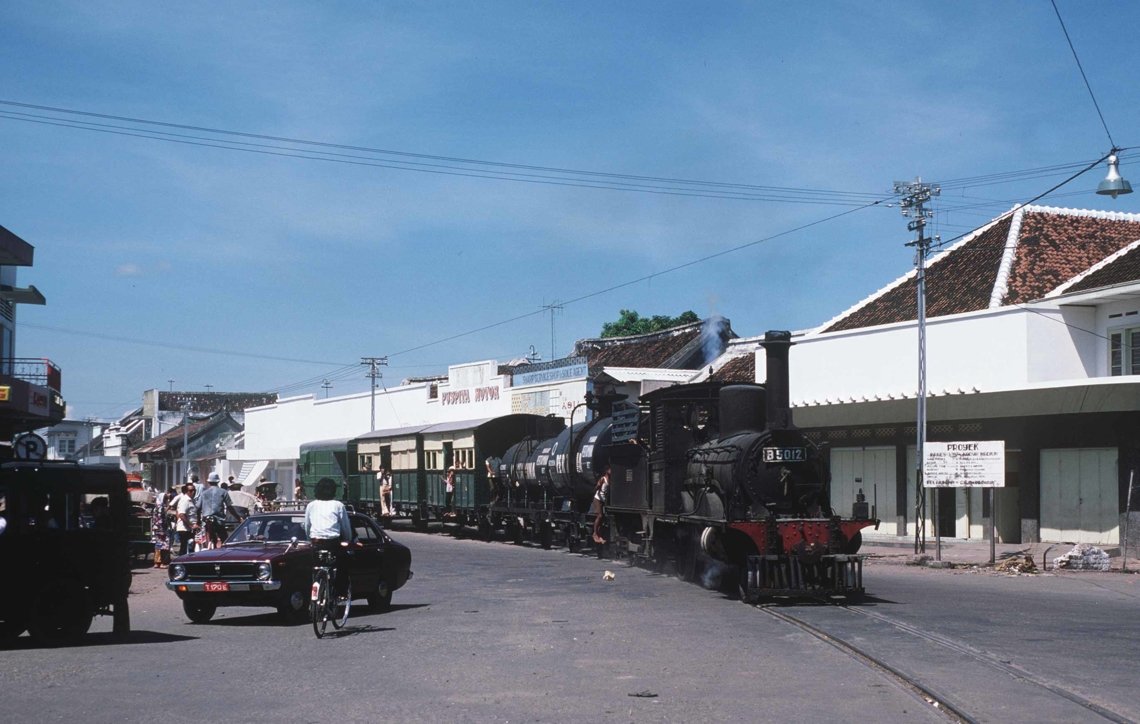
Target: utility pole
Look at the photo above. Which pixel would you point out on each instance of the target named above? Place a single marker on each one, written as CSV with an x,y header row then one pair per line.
x,y
325,386
186,440
552,307
915,196
374,374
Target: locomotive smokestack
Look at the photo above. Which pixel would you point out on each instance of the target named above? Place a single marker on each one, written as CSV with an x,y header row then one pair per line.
x,y
776,344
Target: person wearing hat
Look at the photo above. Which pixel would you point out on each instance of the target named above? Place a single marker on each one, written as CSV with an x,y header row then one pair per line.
x,y
214,505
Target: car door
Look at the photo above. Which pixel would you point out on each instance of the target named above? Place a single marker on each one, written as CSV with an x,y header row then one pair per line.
x,y
366,555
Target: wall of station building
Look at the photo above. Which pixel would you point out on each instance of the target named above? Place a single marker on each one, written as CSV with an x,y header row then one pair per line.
x,y
997,349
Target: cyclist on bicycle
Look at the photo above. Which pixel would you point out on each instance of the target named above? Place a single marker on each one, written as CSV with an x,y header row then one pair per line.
x,y
327,526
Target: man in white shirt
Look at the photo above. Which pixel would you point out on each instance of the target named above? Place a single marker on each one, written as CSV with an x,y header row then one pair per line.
x,y
186,514
328,527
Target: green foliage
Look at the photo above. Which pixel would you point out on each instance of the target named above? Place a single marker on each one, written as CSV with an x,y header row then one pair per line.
x,y
630,322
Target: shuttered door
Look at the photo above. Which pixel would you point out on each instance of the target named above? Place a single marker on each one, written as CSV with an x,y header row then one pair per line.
x,y
871,469
1079,496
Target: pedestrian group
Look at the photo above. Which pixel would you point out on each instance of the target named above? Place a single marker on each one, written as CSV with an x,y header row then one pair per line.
x,y
191,517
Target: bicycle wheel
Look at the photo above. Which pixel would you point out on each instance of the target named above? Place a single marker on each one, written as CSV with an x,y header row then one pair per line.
x,y
319,602
341,606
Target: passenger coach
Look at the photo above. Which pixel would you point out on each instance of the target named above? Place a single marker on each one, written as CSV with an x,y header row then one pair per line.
x,y
418,458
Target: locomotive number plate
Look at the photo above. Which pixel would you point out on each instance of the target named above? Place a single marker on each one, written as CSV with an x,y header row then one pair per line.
x,y
785,454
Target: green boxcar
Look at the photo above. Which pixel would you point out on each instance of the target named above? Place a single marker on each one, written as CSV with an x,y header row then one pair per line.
x,y
324,459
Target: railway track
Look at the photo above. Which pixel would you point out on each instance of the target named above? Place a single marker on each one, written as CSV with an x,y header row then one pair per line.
x,y
950,705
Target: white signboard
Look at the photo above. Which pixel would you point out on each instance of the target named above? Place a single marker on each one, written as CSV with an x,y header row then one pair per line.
x,y
978,464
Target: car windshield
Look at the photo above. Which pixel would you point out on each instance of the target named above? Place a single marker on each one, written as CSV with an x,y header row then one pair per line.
x,y
269,528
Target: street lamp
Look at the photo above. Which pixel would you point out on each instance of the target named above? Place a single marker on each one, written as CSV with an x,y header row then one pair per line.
x,y
1114,184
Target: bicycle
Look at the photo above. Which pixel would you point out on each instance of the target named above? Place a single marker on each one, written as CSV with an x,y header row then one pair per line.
x,y
324,606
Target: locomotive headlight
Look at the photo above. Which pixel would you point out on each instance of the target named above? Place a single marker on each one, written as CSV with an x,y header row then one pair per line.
x,y
264,571
177,572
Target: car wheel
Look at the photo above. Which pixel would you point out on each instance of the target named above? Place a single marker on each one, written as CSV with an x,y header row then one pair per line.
x,y
199,612
381,599
295,607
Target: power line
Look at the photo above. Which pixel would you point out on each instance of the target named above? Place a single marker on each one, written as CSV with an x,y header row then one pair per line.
x,y
646,277
171,345
1083,76
481,169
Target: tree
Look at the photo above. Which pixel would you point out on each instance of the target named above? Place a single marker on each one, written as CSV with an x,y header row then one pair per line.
x,y
630,322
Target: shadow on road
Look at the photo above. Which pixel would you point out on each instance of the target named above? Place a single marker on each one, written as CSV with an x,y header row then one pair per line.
x,y
272,618
98,639
356,630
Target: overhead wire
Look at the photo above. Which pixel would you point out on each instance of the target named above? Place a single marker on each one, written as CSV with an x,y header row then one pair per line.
x,y
484,169
527,173
1084,77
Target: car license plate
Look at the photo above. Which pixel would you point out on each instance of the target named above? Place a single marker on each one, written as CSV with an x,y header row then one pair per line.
x,y
216,587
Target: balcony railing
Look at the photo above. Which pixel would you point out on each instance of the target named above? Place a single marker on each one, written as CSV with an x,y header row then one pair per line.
x,y
36,371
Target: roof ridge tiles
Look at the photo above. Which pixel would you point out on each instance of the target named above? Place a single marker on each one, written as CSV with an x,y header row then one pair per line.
x,y
1086,213
1009,255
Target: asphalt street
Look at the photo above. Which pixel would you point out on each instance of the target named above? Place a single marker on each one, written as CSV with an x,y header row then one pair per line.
x,y
488,632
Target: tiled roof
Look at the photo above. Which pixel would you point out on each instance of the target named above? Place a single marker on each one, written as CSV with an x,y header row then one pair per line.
x,y
1120,268
676,348
1020,257
737,369
172,439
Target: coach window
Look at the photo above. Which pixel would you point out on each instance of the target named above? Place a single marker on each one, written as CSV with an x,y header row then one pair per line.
x,y
465,458
1124,352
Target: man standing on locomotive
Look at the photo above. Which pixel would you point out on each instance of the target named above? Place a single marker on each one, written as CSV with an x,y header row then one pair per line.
x,y
601,495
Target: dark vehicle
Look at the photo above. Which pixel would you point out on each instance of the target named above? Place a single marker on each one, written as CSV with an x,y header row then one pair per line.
x,y
267,561
64,551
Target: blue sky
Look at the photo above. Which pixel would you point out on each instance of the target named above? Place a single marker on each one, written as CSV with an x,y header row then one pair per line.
x,y
232,270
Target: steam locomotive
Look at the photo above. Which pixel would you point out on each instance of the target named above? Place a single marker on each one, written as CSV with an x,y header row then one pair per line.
x,y
704,477
709,479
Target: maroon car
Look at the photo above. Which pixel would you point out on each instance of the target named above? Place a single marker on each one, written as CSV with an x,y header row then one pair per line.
x,y
267,561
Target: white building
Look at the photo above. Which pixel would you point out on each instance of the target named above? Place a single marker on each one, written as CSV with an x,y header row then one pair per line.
x,y
1033,338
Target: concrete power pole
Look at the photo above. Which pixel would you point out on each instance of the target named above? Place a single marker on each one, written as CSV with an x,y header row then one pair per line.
x,y
374,374
553,307
915,196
